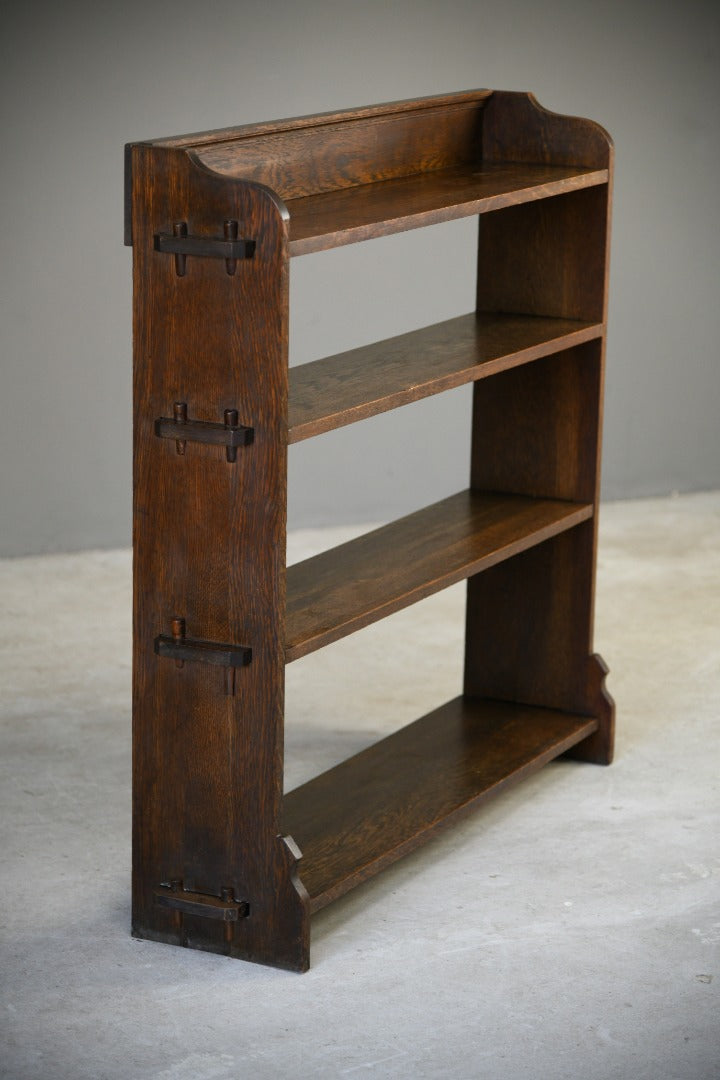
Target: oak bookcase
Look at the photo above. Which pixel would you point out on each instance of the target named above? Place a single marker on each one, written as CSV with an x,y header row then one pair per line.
x,y
222,860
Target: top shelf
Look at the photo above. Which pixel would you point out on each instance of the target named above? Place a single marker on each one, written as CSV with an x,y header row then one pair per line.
x,y
382,169
348,215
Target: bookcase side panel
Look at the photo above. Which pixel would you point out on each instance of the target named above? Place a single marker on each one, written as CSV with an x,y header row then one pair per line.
x,y
536,427
529,621
537,431
546,257
210,345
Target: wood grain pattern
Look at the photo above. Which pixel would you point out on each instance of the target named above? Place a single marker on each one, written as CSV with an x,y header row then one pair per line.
x,y
537,648
541,434
516,127
346,216
357,818
341,590
537,427
387,109
338,390
206,812
362,150
546,258
309,154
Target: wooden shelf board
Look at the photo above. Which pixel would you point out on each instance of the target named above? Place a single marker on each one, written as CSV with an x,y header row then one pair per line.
x,y
351,386
341,590
357,818
347,215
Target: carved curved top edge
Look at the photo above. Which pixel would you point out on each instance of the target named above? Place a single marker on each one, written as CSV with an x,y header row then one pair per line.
x,y
188,160
568,118
268,192
518,128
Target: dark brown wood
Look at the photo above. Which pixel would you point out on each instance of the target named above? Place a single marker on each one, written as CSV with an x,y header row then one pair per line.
x,y
409,786
360,150
212,868
340,591
537,427
516,127
338,390
309,154
345,216
546,258
537,648
389,110
540,434
210,543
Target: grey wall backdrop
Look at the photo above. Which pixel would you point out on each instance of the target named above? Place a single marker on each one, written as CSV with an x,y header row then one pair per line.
x,y
79,80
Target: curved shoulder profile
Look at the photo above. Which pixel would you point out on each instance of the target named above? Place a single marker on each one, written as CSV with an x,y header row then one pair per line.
x,y
517,127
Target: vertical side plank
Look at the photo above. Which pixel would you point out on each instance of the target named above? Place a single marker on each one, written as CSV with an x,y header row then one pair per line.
x,y
529,626
529,621
536,430
546,257
536,427
209,546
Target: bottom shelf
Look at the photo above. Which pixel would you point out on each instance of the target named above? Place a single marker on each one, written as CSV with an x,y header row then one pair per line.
x,y
359,817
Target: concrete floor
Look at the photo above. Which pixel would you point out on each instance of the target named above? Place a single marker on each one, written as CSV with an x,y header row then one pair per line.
x,y
569,930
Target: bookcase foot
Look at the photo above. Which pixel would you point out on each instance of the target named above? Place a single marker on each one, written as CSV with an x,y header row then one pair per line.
x,y
598,747
269,924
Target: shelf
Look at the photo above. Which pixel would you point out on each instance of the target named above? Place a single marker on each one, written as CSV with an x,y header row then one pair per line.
x,y
341,590
347,215
357,818
338,390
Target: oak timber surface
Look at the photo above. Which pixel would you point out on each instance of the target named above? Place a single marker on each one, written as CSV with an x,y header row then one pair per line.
x,y
355,819
357,213
388,109
341,590
337,390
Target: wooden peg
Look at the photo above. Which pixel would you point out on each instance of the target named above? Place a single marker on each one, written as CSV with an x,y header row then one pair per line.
x,y
180,229
178,632
231,417
180,417
230,229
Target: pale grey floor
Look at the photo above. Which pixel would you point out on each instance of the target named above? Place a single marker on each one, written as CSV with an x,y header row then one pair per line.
x,y
570,930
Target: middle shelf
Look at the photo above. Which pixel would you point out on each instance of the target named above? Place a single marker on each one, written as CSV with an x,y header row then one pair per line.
x,y
339,591
337,390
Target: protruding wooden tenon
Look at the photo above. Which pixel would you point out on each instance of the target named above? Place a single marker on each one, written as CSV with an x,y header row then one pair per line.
x,y
229,434
180,244
224,908
180,648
